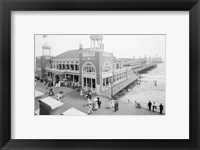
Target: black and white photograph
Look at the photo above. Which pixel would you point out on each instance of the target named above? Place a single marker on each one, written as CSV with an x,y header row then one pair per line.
x,y
100,74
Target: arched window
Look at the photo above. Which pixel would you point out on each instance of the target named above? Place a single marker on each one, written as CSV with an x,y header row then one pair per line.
x,y
76,65
107,67
63,66
88,68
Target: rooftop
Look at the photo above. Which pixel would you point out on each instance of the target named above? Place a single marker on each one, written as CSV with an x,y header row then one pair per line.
x,y
71,53
126,59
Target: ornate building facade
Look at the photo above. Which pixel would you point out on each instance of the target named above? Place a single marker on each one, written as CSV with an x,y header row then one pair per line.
x,y
93,68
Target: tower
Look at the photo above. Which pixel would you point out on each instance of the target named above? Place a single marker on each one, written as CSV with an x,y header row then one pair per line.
x,y
46,48
96,42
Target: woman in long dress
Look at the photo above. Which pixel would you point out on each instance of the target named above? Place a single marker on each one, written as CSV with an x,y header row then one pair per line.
x,y
90,109
111,103
95,104
81,92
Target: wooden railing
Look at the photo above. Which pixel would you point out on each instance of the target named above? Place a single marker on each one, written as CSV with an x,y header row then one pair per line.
x,y
144,67
124,84
120,86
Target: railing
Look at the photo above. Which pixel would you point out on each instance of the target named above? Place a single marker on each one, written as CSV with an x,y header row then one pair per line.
x,y
144,67
119,86
124,84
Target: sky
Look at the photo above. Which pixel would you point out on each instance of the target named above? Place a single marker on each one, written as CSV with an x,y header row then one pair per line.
x,y
123,46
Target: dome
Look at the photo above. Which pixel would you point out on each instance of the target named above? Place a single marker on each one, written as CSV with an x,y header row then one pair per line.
x,y
46,46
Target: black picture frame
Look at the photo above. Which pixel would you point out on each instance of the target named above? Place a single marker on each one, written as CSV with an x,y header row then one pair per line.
x,y
6,6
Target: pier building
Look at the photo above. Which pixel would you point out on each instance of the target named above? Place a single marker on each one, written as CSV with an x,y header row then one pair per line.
x,y
94,69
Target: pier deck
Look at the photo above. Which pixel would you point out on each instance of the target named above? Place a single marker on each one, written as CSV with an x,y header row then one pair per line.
x,y
135,74
145,67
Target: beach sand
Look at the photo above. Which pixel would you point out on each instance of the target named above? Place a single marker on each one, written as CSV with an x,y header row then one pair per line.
x,y
146,91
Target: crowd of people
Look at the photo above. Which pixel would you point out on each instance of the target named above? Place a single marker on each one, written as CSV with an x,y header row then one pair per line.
x,y
95,103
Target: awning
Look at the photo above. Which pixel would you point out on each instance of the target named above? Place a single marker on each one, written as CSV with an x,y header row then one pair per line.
x,y
38,93
73,112
57,71
52,102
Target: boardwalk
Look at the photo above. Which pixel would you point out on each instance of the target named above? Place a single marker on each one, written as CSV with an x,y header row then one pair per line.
x,y
122,85
72,99
145,67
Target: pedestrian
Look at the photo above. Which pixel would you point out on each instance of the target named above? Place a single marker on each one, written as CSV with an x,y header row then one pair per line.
x,y
88,100
89,96
95,104
59,95
90,109
81,92
47,88
99,102
154,106
90,93
110,103
155,83
51,92
149,105
161,108
116,105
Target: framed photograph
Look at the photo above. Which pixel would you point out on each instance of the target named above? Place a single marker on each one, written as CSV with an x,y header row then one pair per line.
x,y
99,74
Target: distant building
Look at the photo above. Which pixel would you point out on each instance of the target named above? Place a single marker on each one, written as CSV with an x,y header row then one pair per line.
x,y
132,62
156,59
43,61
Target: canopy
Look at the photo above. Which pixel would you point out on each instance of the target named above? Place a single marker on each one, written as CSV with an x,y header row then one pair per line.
x,y
38,93
52,102
73,112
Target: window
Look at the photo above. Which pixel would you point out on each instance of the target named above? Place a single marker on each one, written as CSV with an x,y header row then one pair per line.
x,y
117,66
76,67
72,67
107,83
67,66
93,83
104,81
107,67
89,68
84,83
